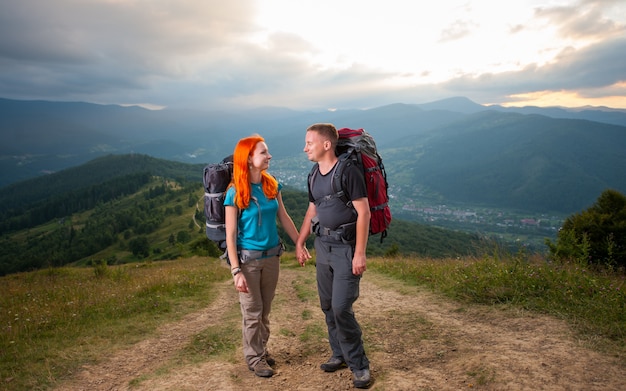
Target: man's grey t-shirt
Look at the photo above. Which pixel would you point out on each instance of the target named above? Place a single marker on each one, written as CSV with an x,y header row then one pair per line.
x,y
333,212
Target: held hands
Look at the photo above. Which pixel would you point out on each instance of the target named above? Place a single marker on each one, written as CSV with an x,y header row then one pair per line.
x,y
302,254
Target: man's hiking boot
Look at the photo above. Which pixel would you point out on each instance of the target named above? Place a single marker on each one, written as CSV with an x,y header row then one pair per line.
x,y
333,364
261,369
362,378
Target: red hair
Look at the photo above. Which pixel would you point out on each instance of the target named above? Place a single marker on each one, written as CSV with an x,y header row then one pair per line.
x,y
241,173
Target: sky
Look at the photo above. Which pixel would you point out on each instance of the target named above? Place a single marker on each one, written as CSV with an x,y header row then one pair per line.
x,y
314,55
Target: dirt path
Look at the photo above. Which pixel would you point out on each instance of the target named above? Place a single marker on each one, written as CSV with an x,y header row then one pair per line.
x,y
415,341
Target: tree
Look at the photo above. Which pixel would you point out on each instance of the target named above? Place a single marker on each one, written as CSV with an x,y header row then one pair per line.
x,y
597,235
140,246
183,237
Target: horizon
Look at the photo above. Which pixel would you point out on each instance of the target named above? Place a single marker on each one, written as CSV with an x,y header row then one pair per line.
x,y
155,108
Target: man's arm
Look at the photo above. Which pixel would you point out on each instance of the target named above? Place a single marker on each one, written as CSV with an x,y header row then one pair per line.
x,y
362,208
305,231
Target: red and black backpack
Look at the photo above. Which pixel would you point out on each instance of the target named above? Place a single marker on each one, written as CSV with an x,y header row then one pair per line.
x,y
356,146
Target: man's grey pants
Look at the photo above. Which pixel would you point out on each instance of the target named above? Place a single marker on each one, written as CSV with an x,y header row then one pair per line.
x,y
338,289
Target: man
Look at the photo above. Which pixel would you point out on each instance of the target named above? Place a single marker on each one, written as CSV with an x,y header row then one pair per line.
x,y
340,244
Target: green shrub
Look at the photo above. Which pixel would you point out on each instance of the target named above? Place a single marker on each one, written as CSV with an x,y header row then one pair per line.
x,y
595,236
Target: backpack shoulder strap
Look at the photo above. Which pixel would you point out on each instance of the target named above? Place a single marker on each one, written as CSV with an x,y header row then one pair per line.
x,y
314,170
339,180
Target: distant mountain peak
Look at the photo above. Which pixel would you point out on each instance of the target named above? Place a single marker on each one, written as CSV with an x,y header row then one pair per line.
x,y
459,104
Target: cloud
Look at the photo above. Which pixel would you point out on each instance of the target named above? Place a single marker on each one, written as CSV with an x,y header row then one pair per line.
x,y
587,19
598,65
588,69
169,53
108,45
67,31
456,30
215,54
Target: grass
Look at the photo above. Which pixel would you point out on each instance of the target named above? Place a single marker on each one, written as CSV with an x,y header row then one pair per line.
x,y
481,375
55,319
213,341
593,302
305,288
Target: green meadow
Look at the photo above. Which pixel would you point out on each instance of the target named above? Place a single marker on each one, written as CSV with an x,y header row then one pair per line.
x,y
57,319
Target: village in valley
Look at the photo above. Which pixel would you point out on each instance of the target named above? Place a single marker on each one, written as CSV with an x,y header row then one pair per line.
x,y
415,203
431,214
516,226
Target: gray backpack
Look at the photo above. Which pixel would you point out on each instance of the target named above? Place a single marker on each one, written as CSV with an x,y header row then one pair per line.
x,y
216,179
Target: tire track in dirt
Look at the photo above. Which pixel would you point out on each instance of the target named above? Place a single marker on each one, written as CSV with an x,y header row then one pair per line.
x,y
415,340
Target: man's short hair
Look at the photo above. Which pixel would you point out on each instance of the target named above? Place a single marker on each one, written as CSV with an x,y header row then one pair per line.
x,y
326,130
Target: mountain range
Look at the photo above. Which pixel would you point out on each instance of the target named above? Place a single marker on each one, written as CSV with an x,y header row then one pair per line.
x,y
449,151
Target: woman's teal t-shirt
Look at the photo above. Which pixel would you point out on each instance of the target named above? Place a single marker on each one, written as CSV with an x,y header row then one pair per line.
x,y
256,231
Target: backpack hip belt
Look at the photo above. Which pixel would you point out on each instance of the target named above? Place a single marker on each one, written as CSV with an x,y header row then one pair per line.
x,y
249,255
338,234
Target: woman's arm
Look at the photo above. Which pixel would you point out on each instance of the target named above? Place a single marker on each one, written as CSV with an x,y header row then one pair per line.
x,y
286,221
232,215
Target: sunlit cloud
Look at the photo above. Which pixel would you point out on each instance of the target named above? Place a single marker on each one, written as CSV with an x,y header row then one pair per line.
x,y
313,54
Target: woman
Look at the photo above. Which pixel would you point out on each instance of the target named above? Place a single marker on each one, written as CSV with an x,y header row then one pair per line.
x,y
253,201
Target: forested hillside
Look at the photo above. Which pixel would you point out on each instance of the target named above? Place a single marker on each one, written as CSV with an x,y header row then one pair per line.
x,y
32,202
524,162
120,209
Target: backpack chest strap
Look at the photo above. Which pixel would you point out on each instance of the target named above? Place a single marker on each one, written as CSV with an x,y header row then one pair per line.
x,y
336,184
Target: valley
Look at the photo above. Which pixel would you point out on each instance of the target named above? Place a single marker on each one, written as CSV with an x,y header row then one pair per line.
x,y
516,228
512,175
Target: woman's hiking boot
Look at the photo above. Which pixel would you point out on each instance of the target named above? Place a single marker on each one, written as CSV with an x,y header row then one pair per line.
x,y
270,360
262,369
